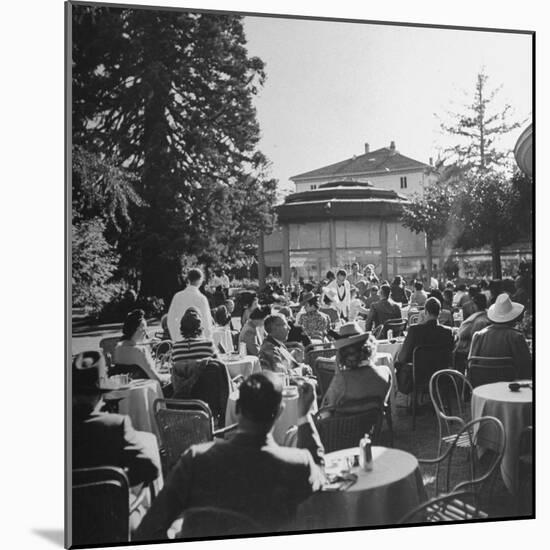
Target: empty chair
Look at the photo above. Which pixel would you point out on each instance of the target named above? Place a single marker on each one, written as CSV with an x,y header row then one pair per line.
x,y
320,350
342,431
450,507
487,370
209,521
100,506
480,472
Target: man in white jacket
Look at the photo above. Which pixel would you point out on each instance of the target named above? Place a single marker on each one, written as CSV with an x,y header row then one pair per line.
x,y
342,288
183,300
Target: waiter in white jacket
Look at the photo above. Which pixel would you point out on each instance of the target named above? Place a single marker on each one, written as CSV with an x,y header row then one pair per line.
x,y
183,300
341,287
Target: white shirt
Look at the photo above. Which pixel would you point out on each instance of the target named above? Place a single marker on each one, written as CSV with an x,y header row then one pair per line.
x,y
222,281
183,300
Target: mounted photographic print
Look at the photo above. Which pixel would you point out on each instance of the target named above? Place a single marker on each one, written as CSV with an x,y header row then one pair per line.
x,y
301,274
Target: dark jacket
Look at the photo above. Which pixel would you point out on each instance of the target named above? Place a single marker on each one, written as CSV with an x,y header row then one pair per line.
x,y
274,356
248,474
104,439
297,334
503,341
382,311
429,333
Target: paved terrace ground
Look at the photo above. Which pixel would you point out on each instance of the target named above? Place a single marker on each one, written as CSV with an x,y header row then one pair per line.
x,y
422,442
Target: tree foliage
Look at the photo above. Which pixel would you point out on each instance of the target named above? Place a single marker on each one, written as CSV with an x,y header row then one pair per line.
x,y
170,96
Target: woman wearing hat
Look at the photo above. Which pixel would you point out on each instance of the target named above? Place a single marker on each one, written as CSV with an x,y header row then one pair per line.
x,y
501,339
357,378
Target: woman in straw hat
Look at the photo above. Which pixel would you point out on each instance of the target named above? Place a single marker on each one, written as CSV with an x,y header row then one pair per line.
x,y
501,339
357,378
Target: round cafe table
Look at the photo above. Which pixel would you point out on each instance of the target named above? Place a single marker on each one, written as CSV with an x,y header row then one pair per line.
x,y
514,410
247,365
379,497
136,401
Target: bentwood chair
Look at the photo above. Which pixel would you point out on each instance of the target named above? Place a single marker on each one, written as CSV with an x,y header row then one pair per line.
x,y
451,507
426,361
208,521
447,388
182,423
313,352
397,326
525,472
101,506
487,370
342,431
479,472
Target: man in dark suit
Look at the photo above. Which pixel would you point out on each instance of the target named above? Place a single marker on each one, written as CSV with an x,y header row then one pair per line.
x,y
383,310
428,333
248,474
105,439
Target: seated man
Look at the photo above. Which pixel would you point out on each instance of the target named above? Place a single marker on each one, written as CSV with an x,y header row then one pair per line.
x,y
501,339
249,474
252,334
383,310
105,439
274,355
373,296
428,333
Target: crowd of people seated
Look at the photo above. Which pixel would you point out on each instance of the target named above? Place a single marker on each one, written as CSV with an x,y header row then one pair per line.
x,y
277,326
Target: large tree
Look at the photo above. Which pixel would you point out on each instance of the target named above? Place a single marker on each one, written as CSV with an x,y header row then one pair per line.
x,y
170,95
477,130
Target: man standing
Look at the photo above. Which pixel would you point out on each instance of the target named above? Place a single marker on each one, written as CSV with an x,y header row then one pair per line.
x,y
183,300
249,474
274,355
342,288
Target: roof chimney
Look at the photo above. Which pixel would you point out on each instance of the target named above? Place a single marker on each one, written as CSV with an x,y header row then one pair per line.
x,y
392,145
366,148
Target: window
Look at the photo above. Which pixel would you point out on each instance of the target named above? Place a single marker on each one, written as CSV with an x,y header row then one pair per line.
x,y
403,182
313,187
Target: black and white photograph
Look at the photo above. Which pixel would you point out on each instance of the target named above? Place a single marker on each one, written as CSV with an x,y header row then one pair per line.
x,y
300,274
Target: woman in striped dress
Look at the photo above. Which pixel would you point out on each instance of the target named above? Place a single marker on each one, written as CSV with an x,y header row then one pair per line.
x,y
192,346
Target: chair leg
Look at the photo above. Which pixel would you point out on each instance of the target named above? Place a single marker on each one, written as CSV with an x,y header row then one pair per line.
x,y
389,422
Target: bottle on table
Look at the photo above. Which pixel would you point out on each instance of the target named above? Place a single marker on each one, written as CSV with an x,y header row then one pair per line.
x,y
365,453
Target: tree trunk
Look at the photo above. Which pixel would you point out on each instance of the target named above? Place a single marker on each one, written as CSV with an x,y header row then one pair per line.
x,y
497,265
429,246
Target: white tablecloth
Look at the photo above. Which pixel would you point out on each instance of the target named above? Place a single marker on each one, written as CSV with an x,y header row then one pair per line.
x,y
247,365
379,497
222,335
514,410
137,402
288,418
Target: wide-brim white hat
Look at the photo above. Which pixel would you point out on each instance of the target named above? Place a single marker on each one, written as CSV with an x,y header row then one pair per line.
x,y
504,310
349,334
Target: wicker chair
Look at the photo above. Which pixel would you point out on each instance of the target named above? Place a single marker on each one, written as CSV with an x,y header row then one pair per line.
x,y
451,507
324,370
342,431
209,521
182,423
426,361
108,346
321,350
100,507
481,475
487,370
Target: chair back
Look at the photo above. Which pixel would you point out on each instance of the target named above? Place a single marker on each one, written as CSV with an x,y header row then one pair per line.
x,y
333,315
397,326
323,350
163,352
414,318
449,507
342,431
324,370
487,370
100,507
209,521
447,388
181,423
207,380
481,474
134,372
427,360
108,346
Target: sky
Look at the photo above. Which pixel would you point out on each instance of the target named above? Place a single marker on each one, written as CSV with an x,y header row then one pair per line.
x,y
332,87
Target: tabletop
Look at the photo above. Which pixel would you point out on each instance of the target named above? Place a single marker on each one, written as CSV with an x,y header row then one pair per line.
x,y
499,391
